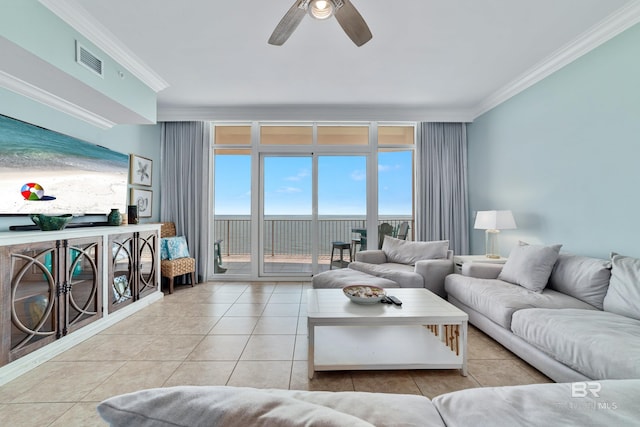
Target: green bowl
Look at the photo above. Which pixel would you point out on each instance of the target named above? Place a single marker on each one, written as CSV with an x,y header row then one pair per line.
x,y
51,222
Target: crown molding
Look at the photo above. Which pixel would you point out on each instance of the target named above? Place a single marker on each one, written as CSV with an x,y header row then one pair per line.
x,y
21,87
79,19
315,113
616,23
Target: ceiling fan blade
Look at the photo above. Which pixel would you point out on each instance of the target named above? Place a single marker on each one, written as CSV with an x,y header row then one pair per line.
x,y
353,23
287,24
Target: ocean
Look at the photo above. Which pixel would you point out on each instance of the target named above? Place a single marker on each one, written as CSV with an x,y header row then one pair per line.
x,y
23,145
78,177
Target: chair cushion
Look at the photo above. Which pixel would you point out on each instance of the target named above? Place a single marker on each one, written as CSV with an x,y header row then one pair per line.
x,y
404,275
405,252
338,279
175,247
623,295
530,265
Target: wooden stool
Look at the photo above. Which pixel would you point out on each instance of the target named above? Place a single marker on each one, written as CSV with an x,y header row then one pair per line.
x,y
342,246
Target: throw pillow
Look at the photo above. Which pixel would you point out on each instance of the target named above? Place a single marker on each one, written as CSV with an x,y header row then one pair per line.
x,y
530,266
177,247
581,277
218,406
164,252
406,252
623,295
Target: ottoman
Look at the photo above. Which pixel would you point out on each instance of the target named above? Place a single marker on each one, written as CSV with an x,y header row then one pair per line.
x,y
338,279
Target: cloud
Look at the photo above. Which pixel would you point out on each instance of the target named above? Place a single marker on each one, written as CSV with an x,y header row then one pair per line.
x,y
288,190
299,177
358,175
388,168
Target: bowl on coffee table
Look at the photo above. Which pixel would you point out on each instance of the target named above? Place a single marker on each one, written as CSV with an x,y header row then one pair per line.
x,y
364,294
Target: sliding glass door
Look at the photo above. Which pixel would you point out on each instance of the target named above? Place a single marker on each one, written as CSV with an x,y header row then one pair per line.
x,y
232,217
295,240
287,215
284,193
342,205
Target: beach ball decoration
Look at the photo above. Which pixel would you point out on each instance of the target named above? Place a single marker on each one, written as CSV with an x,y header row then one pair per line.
x,y
32,191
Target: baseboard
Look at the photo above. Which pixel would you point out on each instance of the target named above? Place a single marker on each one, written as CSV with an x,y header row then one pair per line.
x,y
32,360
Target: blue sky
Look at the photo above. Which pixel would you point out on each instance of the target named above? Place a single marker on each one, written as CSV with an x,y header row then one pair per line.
x,y
341,185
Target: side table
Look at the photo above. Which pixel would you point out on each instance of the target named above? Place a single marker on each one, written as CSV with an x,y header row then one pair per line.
x,y
458,260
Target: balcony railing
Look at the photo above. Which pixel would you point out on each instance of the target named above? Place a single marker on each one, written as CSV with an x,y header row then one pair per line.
x,y
291,236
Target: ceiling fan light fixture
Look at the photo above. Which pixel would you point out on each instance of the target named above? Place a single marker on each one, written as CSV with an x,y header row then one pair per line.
x,y
345,12
321,9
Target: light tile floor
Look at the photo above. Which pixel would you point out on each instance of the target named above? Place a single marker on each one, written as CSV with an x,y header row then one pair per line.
x,y
238,334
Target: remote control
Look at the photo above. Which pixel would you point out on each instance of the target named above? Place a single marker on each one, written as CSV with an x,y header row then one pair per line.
x,y
386,300
394,300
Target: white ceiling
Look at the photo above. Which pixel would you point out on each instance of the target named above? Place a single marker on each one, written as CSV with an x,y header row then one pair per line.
x,y
453,57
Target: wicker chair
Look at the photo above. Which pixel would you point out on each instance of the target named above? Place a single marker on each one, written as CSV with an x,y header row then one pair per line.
x,y
176,267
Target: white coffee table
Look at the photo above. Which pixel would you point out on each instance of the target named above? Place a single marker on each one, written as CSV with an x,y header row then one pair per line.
x,y
426,332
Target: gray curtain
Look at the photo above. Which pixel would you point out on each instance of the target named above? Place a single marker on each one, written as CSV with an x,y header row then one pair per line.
x,y
186,185
442,203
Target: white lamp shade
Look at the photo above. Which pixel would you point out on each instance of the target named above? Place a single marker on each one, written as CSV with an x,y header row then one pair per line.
x,y
494,220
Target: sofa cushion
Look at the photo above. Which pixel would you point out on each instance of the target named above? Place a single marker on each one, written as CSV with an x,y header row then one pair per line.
x,y
406,252
530,265
498,300
402,274
221,406
338,279
581,277
623,295
542,405
598,344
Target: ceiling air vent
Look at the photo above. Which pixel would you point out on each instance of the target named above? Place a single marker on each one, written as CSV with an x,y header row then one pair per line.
x,y
88,59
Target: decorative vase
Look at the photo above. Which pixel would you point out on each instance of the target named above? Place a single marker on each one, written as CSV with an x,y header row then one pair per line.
x,y
51,222
114,217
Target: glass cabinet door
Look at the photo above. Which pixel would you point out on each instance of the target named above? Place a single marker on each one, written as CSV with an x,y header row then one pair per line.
x,y
34,278
146,264
84,269
121,271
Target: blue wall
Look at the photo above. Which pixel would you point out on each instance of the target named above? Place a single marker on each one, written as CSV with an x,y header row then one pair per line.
x,y
143,140
564,156
36,29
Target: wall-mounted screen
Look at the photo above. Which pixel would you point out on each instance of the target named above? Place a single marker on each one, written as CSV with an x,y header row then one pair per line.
x,y
42,171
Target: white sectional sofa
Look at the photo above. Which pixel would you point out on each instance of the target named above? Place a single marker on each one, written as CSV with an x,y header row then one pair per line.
x,y
579,321
606,403
399,263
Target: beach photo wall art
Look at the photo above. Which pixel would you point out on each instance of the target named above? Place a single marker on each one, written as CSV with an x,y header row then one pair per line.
x,y
141,170
46,172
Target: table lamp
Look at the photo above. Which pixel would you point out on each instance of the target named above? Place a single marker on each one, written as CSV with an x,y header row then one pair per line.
x,y
493,222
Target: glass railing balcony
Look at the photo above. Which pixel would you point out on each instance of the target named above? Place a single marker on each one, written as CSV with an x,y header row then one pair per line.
x,y
289,239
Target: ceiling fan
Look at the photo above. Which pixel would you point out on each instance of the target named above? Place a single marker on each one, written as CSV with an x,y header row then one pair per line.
x,y
346,14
